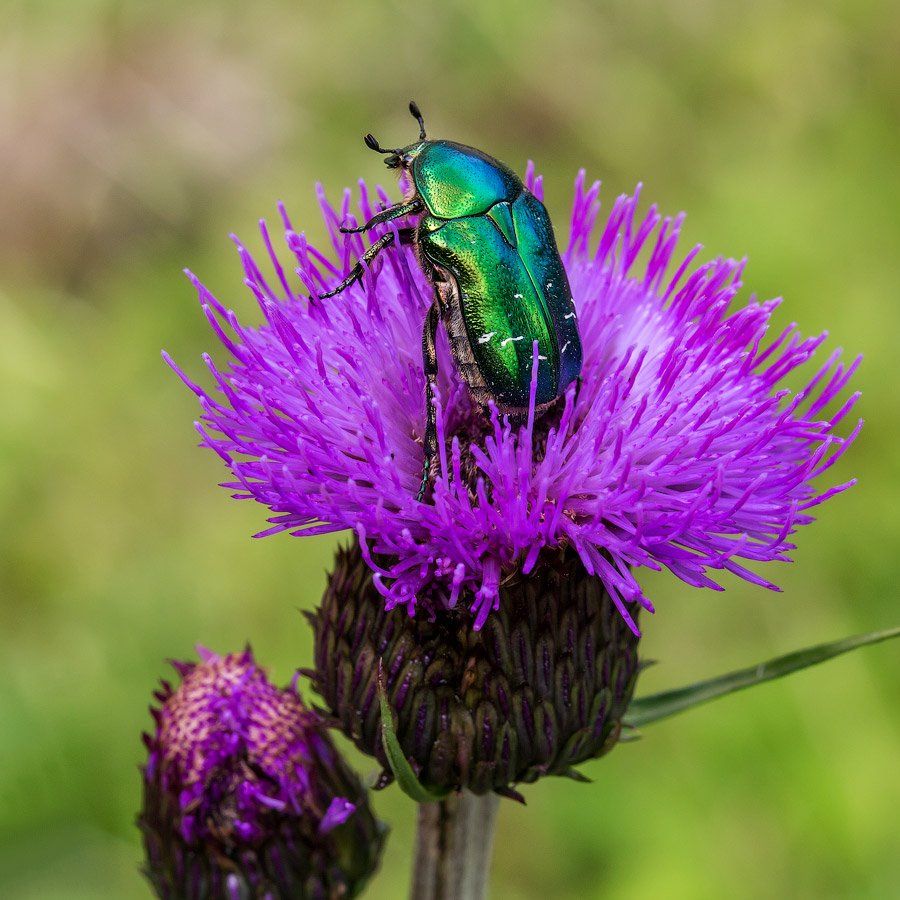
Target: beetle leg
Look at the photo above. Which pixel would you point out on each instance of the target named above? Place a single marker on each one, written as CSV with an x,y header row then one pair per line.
x,y
356,273
429,355
392,212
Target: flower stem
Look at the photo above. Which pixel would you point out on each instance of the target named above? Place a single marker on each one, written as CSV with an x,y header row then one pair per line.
x,y
453,848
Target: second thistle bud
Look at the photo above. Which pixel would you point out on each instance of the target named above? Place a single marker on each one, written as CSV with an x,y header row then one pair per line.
x,y
542,687
246,797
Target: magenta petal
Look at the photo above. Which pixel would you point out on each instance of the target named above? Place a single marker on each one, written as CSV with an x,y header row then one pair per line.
x,y
339,810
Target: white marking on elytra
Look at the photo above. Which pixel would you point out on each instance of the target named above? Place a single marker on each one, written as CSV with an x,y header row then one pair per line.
x,y
570,315
549,284
564,347
505,341
486,337
517,296
541,357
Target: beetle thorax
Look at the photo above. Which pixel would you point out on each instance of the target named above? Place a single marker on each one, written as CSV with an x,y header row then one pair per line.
x,y
453,180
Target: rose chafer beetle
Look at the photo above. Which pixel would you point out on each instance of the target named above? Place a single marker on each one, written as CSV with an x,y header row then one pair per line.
x,y
487,245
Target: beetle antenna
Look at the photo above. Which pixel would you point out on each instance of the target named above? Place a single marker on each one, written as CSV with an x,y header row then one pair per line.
x,y
414,112
373,144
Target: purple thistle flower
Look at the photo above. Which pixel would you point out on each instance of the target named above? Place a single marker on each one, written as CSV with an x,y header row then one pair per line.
x,y
682,450
244,791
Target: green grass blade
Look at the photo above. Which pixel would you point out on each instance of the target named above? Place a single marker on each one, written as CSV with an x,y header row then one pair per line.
x,y
403,772
654,707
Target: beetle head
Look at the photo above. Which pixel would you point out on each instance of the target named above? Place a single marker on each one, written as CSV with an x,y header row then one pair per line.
x,y
400,157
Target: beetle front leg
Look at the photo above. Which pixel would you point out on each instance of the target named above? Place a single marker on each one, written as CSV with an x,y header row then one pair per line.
x,y
429,355
356,273
386,215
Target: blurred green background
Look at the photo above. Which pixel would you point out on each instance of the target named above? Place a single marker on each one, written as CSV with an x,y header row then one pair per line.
x,y
134,136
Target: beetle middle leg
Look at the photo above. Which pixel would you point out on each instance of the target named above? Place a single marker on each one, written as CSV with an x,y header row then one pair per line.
x,y
429,356
405,235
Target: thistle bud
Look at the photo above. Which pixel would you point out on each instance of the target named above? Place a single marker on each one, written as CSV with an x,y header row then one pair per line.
x,y
245,795
542,687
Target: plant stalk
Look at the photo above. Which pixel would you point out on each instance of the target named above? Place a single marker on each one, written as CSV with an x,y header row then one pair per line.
x,y
453,848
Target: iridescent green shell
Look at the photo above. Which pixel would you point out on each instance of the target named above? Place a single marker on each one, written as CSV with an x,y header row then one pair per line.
x,y
491,239
453,180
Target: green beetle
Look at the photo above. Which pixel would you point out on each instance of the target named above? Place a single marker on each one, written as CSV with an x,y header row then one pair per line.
x,y
487,245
